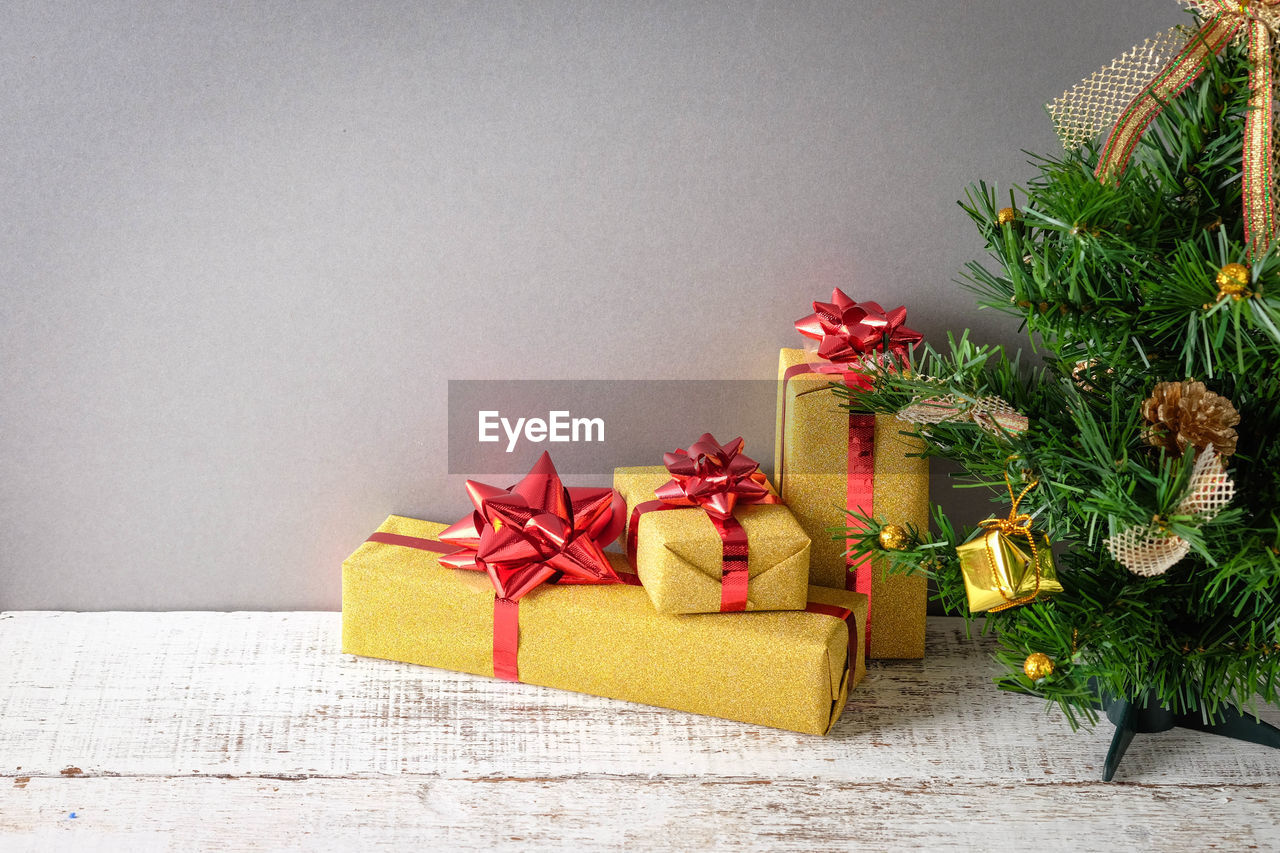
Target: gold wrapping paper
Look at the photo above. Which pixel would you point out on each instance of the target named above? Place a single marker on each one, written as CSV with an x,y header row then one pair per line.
x,y
815,443
679,554
998,569
787,670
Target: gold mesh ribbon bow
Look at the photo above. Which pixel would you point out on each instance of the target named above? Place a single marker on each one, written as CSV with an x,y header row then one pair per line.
x,y
1129,93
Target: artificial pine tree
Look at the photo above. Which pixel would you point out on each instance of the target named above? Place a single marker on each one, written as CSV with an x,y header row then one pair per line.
x,y
1150,450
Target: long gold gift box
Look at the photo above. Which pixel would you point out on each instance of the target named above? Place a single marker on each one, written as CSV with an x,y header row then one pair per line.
x,y
811,451
788,670
679,555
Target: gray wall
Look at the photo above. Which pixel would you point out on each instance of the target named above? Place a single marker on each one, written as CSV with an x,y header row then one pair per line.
x,y
244,245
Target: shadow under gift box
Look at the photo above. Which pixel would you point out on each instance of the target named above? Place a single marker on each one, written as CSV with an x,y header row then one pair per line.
x,y
811,458
679,555
788,670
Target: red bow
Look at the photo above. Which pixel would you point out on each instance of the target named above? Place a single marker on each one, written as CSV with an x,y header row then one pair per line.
x,y
523,536
716,478
848,330
713,476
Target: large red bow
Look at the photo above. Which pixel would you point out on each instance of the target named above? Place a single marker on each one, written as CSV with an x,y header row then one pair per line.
x,y
848,330
713,476
523,536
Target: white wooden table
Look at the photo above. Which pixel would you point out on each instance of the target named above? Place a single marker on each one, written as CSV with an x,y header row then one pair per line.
x,y
182,731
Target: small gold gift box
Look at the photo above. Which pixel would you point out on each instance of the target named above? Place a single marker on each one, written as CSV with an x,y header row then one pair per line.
x,y
679,556
1002,570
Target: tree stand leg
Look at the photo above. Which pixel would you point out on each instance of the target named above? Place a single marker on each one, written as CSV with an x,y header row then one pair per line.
x,y
1146,717
1124,715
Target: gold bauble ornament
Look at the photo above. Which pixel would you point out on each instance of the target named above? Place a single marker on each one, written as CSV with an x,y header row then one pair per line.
x,y
1007,215
1233,281
893,537
1038,665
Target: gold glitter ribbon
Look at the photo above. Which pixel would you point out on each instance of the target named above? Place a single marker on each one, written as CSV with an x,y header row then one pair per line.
x,y
1016,524
1259,206
1257,21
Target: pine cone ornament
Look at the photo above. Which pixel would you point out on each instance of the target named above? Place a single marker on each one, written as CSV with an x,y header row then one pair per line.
x,y
1184,414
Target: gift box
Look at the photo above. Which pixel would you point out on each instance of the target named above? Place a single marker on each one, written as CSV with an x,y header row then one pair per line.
x,y
789,670
680,556
1002,570
827,460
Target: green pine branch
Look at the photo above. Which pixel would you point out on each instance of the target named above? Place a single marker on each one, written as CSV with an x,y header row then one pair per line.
x,y
1117,289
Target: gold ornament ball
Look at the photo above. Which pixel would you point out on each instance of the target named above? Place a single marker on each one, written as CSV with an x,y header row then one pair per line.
x,y
1233,281
1038,665
893,537
1007,215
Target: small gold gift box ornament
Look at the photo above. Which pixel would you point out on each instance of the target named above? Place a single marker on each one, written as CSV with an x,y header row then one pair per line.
x,y
1006,564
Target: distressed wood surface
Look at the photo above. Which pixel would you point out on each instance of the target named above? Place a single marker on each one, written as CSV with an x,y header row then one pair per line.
x,y
251,730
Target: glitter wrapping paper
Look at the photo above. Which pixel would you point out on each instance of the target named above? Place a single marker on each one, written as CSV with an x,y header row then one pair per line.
x,y
787,670
679,553
815,444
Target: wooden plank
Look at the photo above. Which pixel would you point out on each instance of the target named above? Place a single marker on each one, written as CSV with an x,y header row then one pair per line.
x,y
262,694
635,813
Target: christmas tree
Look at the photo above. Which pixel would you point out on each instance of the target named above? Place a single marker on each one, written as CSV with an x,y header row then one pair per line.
x,y
1143,434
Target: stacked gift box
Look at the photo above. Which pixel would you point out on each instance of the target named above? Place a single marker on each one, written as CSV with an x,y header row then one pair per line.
x,y
729,597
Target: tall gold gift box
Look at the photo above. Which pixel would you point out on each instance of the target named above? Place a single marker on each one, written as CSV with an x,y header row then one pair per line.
x,y
789,670
679,554
811,452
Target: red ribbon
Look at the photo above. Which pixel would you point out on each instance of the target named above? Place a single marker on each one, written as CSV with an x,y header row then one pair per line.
x,y
845,615
859,494
411,542
853,335
716,478
536,532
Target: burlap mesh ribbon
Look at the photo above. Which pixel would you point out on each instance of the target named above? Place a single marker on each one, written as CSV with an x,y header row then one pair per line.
x,y
1127,95
991,413
1150,549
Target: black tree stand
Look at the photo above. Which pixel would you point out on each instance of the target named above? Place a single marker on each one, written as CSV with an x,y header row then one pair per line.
x,y
1146,717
